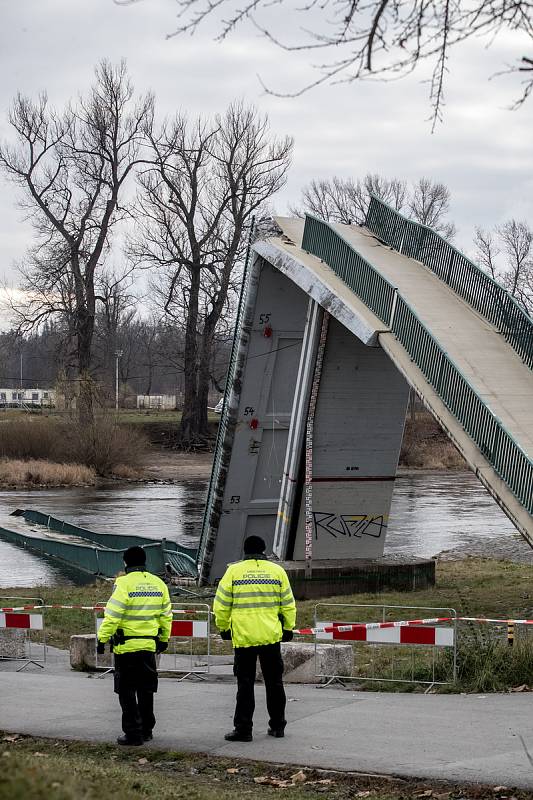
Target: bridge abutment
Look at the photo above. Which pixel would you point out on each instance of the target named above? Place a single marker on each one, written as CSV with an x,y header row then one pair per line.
x,y
358,426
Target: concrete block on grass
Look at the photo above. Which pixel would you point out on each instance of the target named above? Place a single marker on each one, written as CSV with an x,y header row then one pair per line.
x,y
301,666
83,653
12,643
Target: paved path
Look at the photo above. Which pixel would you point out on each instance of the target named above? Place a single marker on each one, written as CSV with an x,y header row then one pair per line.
x,y
453,737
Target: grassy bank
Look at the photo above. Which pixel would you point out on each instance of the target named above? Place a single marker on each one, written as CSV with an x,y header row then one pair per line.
x,y
32,473
48,769
424,446
60,450
474,587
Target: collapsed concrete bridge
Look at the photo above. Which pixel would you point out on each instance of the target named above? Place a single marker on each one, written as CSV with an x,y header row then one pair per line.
x,y
335,323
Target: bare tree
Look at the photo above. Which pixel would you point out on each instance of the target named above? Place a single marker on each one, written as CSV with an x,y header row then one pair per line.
x,y
429,203
72,168
196,204
346,200
368,38
513,241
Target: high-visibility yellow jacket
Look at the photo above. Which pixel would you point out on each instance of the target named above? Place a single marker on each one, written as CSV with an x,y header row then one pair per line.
x,y
254,599
140,606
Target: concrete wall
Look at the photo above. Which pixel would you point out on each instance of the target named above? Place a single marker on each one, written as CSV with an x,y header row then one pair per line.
x,y
358,432
264,394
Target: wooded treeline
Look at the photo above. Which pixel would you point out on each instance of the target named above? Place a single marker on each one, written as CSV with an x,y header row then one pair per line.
x,y
140,234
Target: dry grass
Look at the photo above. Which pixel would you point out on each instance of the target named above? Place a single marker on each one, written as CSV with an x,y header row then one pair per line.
x,y
426,446
127,473
44,473
103,446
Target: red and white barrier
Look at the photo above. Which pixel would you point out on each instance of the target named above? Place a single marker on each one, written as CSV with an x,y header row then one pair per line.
x,y
189,628
380,633
33,622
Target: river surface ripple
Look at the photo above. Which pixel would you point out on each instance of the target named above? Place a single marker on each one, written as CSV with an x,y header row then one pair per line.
x,y
431,512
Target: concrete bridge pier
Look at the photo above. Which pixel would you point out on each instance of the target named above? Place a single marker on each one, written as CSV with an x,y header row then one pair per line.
x,y
259,484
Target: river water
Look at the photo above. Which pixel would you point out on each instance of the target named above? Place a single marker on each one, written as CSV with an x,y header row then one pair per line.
x,y
431,513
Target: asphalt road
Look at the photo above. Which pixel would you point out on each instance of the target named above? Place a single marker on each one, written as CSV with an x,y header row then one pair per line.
x,y
472,738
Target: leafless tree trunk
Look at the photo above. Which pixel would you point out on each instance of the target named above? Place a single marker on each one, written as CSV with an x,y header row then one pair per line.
x,y
196,203
72,168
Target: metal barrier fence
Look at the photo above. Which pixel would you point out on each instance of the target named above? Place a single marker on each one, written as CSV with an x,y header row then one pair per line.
x,y
23,633
189,649
385,651
463,276
505,455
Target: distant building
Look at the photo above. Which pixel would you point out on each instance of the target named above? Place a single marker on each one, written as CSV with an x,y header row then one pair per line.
x,y
157,401
27,397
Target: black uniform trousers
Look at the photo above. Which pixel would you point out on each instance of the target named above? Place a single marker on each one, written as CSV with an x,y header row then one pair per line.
x,y
135,684
244,667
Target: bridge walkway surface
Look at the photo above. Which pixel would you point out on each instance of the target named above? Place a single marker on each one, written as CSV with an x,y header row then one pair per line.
x,y
494,370
466,738
491,366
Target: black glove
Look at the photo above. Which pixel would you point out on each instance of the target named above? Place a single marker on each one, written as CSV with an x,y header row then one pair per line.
x,y
287,636
100,648
160,647
226,635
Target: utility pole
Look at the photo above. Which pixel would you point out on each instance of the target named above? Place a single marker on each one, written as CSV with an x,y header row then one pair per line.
x,y
21,395
118,355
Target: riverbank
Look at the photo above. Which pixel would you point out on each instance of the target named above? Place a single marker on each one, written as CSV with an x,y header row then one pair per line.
x,y
57,769
151,453
473,587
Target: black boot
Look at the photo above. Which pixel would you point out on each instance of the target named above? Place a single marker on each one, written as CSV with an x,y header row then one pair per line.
x,y
278,734
125,740
237,736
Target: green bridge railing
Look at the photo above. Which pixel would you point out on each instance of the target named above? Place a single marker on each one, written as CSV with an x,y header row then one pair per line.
x,y
224,416
102,555
463,276
506,456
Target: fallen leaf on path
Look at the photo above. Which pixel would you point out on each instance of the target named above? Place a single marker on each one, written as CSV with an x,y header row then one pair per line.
x,y
522,688
269,780
363,794
427,793
142,761
233,770
299,777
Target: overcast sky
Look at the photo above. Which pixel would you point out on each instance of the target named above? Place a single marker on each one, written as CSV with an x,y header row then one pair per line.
x,y
483,151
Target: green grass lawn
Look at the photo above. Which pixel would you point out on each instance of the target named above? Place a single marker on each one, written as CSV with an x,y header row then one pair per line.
x,y
473,587
51,769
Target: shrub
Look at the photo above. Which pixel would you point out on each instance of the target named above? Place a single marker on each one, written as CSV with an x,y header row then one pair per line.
x,y
102,445
31,437
105,445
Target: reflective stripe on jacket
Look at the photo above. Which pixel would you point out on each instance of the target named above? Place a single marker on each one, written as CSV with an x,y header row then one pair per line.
x,y
254,598
140,605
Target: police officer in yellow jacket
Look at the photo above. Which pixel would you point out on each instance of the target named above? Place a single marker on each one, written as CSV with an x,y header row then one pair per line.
x,y
254,607
138,619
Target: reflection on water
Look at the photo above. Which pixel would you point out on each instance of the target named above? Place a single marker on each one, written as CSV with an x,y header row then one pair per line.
x,y
153,510
431,512
436,512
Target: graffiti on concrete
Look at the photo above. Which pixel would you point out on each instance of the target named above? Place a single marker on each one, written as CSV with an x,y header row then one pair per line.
x,y
349,525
